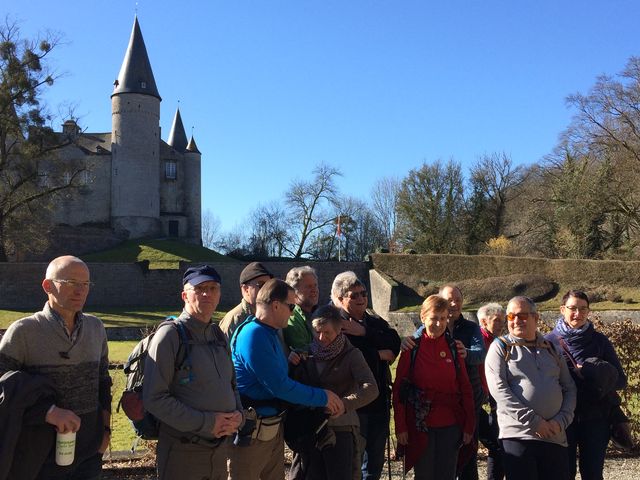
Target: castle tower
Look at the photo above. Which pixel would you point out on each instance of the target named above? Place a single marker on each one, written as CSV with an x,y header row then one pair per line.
x,y
135,144
192,192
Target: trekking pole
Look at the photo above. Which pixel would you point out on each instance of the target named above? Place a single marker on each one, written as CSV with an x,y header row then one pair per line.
x,y
389,454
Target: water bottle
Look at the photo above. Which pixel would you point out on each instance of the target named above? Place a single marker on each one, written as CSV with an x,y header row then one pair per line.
x,y
65,448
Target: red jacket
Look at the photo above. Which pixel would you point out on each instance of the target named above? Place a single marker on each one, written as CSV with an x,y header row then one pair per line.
x,y
452,396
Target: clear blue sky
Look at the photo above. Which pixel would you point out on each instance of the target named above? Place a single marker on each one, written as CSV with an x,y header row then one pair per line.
x,y
272,88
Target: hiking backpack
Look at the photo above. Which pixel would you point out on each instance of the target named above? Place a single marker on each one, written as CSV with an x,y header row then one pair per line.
x,y
144,423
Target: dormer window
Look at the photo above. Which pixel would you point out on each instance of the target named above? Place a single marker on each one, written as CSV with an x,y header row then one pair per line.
x,y
143,84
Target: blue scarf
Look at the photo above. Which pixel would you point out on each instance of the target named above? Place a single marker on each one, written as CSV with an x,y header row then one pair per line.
x,y
578,340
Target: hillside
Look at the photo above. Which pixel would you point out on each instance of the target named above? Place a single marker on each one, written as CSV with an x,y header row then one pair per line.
x,y
161,254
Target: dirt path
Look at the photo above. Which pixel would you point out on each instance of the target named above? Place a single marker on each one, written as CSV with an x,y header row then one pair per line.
x,y
619,468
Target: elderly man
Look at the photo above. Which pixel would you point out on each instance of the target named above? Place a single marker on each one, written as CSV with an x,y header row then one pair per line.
x,y
264,384
535,397
471,348
252,278
192,390
491,318
69,349
298,334
380,344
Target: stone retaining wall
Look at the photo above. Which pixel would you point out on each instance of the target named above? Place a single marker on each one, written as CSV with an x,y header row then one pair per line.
x,y
132,284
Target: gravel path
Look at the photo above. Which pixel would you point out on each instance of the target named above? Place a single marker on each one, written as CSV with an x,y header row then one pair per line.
x,y
617,468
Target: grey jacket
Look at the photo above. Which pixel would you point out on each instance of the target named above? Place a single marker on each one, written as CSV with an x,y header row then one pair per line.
x,y
534,384
187,400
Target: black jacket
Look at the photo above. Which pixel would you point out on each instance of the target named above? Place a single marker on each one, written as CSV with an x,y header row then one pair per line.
x,y
26,439
379,336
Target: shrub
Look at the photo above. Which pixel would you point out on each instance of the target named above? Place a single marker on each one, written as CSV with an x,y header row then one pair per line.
x,y
500,246
625,336
603,294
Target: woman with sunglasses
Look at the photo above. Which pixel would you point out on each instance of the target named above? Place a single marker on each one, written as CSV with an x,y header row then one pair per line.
x,y
380,344
597,372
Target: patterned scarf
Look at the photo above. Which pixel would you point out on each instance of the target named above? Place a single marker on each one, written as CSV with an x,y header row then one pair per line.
x,y
329,352
578,340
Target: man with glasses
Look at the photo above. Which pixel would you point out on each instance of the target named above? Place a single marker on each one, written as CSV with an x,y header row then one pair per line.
x,y
252,278
68,350
192,390
380,344
535,397
263,381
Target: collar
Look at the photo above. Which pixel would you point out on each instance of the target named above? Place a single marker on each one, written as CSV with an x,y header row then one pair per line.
x,y
77,324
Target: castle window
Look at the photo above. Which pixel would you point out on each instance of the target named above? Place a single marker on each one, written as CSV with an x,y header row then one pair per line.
x,y
170,170
143,84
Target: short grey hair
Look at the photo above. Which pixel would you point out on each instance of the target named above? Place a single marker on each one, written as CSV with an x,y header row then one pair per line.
x,y
489,310
525,300
294,276
344,282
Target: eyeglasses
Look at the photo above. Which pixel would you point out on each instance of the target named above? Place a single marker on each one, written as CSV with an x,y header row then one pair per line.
x,y
256,285
202,290
573,308
521,315
357,295
72,283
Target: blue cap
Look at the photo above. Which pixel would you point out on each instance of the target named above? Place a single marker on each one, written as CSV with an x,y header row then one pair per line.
x,y
202,273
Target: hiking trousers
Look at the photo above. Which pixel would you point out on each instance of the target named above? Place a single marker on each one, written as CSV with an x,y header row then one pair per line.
x,y
190,461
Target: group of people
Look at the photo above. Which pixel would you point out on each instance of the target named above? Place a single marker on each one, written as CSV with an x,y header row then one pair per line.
x,y
284,367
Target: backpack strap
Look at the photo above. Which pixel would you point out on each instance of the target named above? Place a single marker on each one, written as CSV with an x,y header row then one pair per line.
x,y
507,344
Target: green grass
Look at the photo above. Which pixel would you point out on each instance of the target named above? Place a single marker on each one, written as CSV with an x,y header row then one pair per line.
x,y
161,254
122,436
113,317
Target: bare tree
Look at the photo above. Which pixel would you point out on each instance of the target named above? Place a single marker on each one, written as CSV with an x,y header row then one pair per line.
x,y
270,231
27,142
311,205
210,229
496,180
384,207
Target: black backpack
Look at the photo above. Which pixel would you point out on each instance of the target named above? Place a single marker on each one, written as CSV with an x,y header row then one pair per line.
x,y
145,424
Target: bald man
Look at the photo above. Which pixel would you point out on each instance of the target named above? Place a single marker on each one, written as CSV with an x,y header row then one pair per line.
x,y
67,349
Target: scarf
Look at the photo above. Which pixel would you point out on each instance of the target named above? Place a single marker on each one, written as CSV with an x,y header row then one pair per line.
x,y
579,341
329,352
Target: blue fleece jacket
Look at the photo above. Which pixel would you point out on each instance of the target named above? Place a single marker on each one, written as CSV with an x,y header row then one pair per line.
x,y
262,370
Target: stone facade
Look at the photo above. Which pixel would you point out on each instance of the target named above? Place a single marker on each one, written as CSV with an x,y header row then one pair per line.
x,y
133,184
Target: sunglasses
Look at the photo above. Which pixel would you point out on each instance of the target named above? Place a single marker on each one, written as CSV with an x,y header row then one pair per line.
x,y
357,295
521,315
290,305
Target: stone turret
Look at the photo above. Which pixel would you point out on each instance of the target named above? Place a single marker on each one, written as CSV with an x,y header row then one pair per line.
x,y
192,191
135,144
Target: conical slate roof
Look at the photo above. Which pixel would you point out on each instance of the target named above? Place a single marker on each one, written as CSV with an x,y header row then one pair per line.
x,y
192,147
177,135
135,74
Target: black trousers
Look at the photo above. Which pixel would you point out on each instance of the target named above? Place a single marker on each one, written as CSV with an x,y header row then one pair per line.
x,y
535,460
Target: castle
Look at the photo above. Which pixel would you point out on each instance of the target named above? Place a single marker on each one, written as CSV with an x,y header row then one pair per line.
x,y
132,184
